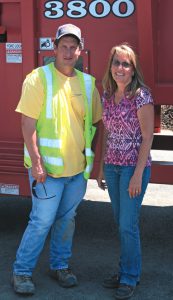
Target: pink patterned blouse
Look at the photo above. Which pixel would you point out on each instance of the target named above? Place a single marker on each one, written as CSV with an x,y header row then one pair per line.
x,y
124,133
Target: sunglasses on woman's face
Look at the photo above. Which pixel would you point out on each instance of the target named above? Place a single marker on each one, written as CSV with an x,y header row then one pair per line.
x,y
124,64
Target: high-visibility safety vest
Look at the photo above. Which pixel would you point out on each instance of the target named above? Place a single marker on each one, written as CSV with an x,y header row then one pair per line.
x,y
49,133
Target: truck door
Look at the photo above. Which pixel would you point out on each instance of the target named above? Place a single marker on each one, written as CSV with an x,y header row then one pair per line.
x,y
17,58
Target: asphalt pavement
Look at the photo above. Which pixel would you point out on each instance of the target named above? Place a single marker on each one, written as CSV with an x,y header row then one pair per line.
x,y
96,247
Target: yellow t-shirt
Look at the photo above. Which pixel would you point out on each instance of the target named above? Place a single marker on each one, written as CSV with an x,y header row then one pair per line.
x,y
31,102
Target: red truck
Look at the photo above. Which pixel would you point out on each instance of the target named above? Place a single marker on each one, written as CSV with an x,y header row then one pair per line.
x,y
27,31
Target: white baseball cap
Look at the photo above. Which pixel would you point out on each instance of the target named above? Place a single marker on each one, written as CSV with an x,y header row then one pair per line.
x,y
68,29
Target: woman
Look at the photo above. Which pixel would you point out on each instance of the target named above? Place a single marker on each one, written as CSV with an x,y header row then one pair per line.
x,y
128,118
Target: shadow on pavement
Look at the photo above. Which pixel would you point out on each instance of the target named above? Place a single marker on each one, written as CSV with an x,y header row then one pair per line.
x,y
95,252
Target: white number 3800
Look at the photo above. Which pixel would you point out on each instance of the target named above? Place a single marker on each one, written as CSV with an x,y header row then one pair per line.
x,y
97,9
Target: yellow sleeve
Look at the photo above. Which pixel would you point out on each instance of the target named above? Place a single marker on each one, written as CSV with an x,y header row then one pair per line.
x,y
97,107
32,96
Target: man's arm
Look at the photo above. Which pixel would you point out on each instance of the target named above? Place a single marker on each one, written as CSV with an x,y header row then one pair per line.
x,y
30,138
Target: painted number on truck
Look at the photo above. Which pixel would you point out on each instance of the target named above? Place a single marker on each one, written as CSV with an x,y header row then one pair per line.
x,y
97,9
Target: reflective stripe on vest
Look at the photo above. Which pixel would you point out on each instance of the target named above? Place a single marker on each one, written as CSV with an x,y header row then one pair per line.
x,y
88,85
88,170
88,152
52,143
87,88
54,161
49,79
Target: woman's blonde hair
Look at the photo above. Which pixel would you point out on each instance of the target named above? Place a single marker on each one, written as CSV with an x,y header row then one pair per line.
x,y
109,84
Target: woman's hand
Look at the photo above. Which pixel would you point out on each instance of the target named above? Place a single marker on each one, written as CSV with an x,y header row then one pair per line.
x,y
101,181
135,185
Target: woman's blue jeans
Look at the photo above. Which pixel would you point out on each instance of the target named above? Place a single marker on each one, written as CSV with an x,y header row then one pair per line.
x,y
126,212
57,213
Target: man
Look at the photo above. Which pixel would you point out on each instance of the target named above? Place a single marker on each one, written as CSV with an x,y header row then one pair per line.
x,y
59,105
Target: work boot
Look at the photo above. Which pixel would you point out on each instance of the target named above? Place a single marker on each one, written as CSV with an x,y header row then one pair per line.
x,y
112,282
23,284
65,277
124,292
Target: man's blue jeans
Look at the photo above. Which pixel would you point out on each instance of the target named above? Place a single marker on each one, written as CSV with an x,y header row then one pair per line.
x,y
57,212
126,212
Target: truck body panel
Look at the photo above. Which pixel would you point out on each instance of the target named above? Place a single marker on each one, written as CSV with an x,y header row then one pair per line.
x,y
27,30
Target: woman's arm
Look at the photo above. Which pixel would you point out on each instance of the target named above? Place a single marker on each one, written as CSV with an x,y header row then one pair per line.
x,y
146,120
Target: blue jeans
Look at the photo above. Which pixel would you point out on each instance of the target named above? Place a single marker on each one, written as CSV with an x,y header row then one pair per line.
x,y
126,212
57,213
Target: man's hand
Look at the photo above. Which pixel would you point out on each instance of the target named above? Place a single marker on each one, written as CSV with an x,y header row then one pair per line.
x,y
38,171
